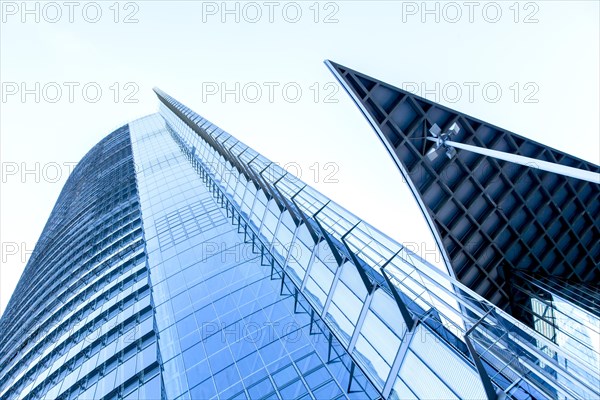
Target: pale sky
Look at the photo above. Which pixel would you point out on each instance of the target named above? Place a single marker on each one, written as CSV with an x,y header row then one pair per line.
x,y
543,57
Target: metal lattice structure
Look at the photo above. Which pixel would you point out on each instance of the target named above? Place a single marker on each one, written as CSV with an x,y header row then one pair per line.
x,y
492,219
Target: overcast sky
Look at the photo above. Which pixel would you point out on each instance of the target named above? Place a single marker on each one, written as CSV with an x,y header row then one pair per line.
x,y
72,74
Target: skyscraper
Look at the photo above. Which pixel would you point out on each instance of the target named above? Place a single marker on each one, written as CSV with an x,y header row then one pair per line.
x,y
179,263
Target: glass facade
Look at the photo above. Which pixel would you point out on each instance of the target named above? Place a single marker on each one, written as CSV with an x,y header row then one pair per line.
x,y
227,327
179,263
80,323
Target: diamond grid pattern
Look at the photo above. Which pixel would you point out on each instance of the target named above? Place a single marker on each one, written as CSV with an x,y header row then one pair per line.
x,y
492,217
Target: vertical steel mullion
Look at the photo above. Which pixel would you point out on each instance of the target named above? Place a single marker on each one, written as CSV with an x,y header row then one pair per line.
x,y
329,299
361,319
483,375
397,363
277,227
309,267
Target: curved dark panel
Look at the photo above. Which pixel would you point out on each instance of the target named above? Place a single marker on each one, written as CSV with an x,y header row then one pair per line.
x,y
492,218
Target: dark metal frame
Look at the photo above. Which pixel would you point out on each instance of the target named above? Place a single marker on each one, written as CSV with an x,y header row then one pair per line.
x,y
492,219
